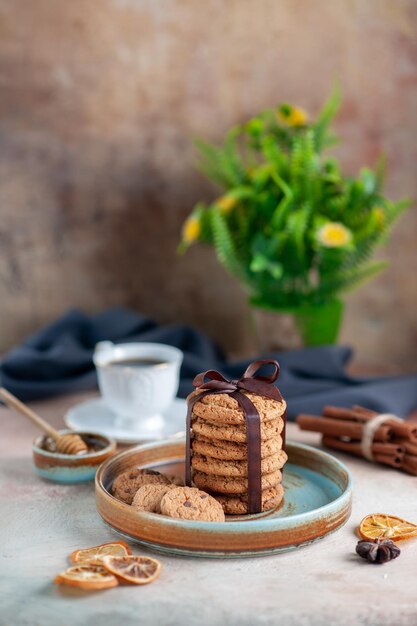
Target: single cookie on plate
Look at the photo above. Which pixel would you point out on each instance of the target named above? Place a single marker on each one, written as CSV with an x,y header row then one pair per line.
x,y
223,484
238,504
235,432
230,450
126,484
148,497
192,504
216,467
222,408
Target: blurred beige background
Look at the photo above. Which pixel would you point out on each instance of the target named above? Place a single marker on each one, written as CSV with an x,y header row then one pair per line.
x,y
100,100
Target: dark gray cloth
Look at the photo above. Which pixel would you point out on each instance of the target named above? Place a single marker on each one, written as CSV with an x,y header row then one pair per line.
x,y
58,359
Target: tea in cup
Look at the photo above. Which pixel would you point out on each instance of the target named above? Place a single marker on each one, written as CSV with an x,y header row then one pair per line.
x,y
138,381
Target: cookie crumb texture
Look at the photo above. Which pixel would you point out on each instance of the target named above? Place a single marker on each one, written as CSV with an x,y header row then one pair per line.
x,y
235,433
192,504
238,504
231,451
126,484
223,484
148,497
216,467
224,409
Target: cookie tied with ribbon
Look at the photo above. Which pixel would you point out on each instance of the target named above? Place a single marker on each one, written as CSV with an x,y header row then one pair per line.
x,y
234,438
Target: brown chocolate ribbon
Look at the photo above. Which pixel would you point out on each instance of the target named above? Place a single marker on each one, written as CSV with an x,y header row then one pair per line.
x,y
213,382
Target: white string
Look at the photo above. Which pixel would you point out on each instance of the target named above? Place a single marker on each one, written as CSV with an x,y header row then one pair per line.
x,y
370,429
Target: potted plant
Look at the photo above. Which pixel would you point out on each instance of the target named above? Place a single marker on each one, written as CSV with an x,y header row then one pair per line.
x,y
288,224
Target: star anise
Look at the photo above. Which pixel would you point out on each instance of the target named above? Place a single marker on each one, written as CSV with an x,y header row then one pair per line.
x,y
378,551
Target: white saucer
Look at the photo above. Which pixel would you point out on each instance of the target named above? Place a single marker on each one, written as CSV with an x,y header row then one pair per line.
x,y
96,417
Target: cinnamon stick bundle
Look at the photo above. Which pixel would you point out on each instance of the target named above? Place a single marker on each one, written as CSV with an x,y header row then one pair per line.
x,y
393,443
341,428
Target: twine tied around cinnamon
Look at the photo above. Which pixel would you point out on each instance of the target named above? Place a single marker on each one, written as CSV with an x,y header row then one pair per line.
x,y
212,381
370,429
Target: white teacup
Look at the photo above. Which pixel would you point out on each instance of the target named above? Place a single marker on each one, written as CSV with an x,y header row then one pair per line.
x,y
138,381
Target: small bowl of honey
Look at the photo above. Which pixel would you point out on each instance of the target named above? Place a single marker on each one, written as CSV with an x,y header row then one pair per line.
x,y
71,468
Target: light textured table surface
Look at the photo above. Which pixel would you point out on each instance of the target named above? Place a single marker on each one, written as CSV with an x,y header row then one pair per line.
x,y
322,584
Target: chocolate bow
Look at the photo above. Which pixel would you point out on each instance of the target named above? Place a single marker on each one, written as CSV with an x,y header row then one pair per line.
x,y
261,385
253,383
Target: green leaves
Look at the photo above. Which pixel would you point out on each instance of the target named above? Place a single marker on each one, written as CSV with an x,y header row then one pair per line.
x,y
222,165
224,246
322,138
394,209
348,280
260,263
210,163
289,224
298,229
265,250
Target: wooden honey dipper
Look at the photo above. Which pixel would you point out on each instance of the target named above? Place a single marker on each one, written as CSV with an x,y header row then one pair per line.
x,y
70,443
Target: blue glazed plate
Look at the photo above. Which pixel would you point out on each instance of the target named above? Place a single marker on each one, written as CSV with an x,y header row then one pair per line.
x,y
317,501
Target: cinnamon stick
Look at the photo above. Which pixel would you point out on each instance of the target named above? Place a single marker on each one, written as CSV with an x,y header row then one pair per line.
x,y
344,414
341,428
410,448
394,442
402,429
410,464
354,447
394,461
359,414
368,413
390,454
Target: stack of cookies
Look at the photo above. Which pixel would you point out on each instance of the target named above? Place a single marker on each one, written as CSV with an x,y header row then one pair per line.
x,y
219,450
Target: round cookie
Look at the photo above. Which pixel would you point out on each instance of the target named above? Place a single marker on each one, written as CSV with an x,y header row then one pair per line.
x,y
192,504
238,504
236,433
148,497
222,484
224,409
231,451
216,467
126,484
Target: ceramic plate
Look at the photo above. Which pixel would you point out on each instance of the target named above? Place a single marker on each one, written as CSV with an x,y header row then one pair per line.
x,y
318,493
95,416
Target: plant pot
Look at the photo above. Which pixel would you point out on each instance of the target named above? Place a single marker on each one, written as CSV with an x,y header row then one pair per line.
x,y
295,327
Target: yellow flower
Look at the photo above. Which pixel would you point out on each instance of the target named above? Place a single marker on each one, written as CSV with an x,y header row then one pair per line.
x,y
334,235
292,116
191,229
226,203
379,215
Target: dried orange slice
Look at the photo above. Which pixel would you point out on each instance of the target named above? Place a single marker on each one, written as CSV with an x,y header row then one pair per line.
x,y
87,576
139,570
381,526
96,553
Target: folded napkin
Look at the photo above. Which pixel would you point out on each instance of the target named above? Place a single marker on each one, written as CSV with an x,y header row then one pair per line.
x,y
58,359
